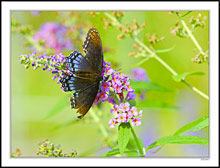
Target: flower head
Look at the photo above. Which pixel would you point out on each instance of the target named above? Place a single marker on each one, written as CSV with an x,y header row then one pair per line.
x,y
133,111
52,35
114,86
112,122
116,89
121,117
115,109
53,63
124,107
139,74
136,122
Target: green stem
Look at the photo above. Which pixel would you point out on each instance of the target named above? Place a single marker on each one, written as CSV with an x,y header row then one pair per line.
x,y
192,36
196,90
33,43
137,142
101,126
154,55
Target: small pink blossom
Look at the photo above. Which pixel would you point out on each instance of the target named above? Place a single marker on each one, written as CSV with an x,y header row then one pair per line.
x,y
106,86
136,122
115,109
124,107
112,122
121,117
133,111
108,70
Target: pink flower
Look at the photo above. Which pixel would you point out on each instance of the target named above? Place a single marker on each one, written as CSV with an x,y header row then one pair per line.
x,y
136,122
124,107
121,117
108,70
127,118
112,123
102,96
133,111
128,87
118,88
115,109
105,86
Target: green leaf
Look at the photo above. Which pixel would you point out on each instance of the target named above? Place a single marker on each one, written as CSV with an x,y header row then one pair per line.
x,y
194,126
117,151
201,125
132,143
179,139
182,76
124,130
155,104
57,108
165,50
141,85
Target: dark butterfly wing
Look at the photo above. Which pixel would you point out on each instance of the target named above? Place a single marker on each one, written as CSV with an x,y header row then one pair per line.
x,y
76,63
93,49
84,99
75,83
86,73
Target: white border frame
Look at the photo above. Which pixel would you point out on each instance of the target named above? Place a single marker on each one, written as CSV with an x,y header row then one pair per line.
x,y
214,52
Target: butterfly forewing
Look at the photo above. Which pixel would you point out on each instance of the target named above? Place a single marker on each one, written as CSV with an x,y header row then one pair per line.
x,y
85,73
93,49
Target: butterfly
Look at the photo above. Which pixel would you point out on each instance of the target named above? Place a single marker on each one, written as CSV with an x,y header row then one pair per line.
x,y
85,75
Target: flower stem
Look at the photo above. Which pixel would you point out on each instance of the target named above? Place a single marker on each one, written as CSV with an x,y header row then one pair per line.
x,y
137,142
192,36
33,43
154,55
196,90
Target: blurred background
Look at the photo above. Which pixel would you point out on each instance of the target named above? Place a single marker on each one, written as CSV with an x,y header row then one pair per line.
x,y
34,93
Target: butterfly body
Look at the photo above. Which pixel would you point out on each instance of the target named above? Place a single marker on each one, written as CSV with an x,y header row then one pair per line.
x,y
85,75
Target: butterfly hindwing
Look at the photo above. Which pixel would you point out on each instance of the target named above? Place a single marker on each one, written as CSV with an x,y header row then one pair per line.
x,y
83,100
93,49
72,82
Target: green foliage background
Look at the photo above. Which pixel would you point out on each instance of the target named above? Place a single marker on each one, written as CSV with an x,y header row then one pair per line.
x,y
34,93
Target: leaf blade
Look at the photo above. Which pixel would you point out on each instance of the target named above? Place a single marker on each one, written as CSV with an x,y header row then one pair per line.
x,y
179,139
180,77
116,151
190,125
124,131
147,86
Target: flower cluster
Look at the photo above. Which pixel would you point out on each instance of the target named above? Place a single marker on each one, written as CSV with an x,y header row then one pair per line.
x,y
124,113
51,35
116,89
53,63
139,74
47,148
